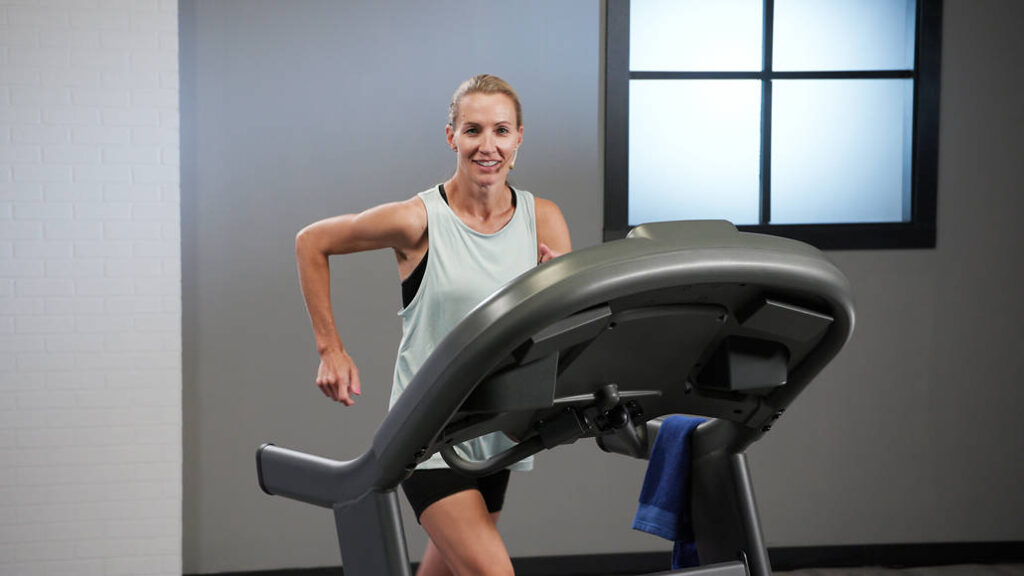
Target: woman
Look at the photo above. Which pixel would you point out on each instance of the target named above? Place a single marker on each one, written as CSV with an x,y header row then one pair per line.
x,y
455,244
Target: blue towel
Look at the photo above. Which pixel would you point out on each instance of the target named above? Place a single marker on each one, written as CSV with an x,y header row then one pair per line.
x,y
665,497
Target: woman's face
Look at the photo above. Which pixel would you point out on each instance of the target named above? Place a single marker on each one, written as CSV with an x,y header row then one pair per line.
x,y
485,136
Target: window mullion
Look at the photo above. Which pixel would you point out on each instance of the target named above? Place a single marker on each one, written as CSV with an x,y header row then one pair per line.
x,y
766,114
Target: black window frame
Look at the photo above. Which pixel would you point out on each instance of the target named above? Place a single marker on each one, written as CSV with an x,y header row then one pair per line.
x,y
918,232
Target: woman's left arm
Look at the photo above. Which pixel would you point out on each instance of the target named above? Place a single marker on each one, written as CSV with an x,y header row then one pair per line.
x,y
552,231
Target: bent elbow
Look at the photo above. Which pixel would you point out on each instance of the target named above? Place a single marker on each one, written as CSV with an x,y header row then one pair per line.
x,y
304,241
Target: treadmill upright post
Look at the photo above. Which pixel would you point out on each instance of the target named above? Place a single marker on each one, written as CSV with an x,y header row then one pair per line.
x,y
371,536
725,514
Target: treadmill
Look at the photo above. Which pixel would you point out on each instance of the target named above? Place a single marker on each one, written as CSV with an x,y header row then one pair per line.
x,y
689,317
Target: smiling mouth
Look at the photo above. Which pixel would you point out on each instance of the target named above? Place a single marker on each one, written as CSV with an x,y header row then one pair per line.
x,y
489,164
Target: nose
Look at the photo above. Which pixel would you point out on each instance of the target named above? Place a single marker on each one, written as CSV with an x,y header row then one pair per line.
x,y
488,143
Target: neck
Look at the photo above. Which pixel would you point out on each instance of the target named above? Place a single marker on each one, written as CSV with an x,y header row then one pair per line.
x,y
481,200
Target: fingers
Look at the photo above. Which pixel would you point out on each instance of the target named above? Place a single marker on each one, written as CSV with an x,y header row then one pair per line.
x,y
545,253
338,379
330,386
355,386
336,390
324,387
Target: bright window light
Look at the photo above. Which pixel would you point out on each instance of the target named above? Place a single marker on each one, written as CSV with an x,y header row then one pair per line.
x,y
694,149
843,35
841,151
695,34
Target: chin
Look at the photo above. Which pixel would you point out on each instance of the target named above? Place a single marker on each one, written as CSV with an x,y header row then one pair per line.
x,y
491,178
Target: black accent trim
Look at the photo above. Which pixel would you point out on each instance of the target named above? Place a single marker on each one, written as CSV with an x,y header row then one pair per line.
x,y
770,75
869,236
616,117
765,212
768,36
928,58
783,558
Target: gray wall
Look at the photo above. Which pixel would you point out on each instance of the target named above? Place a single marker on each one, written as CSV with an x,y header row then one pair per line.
x,y
293,112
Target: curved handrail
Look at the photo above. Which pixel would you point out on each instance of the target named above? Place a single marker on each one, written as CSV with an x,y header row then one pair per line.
x,y
591,277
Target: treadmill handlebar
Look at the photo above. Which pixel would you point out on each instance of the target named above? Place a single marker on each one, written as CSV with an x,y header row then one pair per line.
x,y
313,479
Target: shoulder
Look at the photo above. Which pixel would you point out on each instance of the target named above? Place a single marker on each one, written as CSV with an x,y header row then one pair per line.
x,y
541,206
546,209
399,225
410,216
552,229
413,209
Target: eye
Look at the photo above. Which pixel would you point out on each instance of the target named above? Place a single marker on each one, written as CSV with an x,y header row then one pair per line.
x,y
503,130
472,130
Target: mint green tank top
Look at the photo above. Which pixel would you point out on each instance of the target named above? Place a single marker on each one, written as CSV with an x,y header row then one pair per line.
x,y
463,268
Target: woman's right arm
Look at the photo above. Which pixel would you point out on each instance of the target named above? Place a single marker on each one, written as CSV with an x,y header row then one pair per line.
x,y
400,226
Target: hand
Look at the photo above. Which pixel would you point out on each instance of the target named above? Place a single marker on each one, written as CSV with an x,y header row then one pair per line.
x,y
338,377
547,254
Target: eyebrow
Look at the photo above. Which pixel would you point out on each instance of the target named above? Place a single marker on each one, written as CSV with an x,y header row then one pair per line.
x,y
498,123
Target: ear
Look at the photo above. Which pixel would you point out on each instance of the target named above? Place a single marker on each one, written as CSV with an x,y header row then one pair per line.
x,y
449,135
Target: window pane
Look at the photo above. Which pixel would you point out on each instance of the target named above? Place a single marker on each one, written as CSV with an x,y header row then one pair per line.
x,y
694,150
843,35
841,151
695,35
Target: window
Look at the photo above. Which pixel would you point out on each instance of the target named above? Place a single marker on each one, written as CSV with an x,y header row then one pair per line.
x,y
812,119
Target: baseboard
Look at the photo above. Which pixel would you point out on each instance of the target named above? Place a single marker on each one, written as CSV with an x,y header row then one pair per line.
x,y
594,564
896,555
782,558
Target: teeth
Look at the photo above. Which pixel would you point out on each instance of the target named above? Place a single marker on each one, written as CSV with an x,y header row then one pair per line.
x,y
488,164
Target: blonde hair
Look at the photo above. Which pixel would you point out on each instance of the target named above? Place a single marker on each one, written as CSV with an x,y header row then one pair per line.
x,y
483,84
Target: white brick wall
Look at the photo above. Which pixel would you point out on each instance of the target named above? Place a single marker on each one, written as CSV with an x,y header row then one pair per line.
x,y
90,337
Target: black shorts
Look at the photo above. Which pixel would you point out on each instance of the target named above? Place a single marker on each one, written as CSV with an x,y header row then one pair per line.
x,y
425,487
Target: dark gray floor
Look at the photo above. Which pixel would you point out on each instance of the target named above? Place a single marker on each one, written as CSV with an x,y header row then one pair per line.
x,y
960,570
